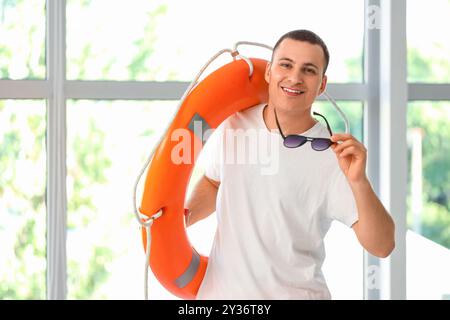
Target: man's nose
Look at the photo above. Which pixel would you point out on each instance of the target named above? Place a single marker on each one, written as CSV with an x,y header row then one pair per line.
x,y
296,77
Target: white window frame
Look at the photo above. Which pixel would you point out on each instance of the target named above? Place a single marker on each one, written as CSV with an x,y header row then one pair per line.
x,y
382,88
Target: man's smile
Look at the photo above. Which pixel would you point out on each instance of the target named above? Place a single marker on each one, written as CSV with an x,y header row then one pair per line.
x,y
292,91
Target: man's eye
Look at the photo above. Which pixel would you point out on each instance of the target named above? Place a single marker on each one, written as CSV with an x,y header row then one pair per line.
x,y
285,65
311,71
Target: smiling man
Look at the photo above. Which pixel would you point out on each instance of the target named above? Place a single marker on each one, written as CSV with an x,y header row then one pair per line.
x,y
269,238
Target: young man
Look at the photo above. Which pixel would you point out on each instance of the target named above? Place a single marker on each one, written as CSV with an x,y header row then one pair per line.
x,y
269,239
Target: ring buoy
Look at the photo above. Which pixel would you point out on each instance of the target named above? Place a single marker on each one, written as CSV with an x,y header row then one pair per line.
x,y
173,260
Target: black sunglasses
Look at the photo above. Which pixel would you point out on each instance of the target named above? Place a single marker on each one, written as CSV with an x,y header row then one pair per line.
x,y
296,140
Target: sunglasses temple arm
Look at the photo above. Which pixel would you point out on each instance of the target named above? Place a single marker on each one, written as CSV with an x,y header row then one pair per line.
x,y
342,114
326,121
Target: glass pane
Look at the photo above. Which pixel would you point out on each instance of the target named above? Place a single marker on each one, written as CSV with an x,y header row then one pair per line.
x,y
22,34
428,200
147,46
107,145
22,199
352,109
428,46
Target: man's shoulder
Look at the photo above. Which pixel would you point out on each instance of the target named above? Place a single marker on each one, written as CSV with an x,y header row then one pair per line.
x,y
249,117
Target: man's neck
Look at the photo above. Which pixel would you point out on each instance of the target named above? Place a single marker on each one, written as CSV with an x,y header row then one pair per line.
x,y
290,122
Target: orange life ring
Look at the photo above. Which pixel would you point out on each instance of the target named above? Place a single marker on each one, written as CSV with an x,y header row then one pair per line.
x,y
173,260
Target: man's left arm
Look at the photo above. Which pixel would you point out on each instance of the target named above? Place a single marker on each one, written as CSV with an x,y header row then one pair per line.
x,y
375,228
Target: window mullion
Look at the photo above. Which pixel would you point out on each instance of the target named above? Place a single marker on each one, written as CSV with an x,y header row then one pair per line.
x,y
56,151
372,126
393,144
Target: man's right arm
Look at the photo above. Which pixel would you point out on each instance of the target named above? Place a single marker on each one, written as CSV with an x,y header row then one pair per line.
x,y
202,201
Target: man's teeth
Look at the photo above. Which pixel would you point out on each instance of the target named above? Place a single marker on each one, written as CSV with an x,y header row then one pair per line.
x,y
292,90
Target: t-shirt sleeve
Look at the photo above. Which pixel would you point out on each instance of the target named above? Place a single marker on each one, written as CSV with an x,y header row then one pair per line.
x,y
341,202
212,155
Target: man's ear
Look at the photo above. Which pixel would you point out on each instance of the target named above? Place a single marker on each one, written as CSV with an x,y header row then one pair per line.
x,y
323,85
267,73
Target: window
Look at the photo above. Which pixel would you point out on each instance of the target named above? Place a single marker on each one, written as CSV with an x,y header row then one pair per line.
x,y
22,199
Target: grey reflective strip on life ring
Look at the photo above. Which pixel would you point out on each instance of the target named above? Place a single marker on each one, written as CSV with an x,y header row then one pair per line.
x,y
183,280
204,127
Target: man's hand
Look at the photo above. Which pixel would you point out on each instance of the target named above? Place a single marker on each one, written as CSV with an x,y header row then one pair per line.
x,y
352,157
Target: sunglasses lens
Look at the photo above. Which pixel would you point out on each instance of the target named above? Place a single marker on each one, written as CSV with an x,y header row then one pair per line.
x,y
294,141
320,144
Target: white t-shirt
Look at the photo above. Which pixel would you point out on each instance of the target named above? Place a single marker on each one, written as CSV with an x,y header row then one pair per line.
x,y
274,207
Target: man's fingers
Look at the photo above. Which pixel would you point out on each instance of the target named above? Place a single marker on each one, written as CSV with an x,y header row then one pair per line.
x,y
348,151
339,147
341,137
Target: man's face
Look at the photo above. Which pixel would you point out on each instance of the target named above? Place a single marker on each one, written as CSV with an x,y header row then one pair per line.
x,y
295,75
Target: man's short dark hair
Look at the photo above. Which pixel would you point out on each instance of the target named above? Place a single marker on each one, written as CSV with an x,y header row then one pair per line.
x,y
307,36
